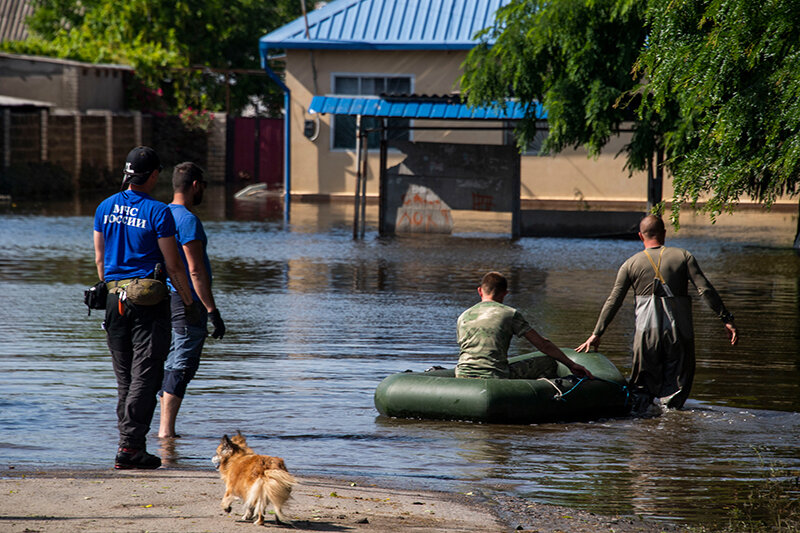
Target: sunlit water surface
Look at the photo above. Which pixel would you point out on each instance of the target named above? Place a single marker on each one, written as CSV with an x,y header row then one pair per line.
x,y
316,320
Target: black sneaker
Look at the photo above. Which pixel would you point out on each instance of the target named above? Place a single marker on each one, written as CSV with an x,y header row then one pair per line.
x,y
128,459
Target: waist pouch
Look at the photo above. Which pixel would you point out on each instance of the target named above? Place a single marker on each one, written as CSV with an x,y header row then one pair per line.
x,y
139,291
95,296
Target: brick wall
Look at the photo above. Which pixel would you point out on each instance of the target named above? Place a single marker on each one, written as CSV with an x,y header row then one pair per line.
x,y
60,141
25,137
93,141
90,148
216,156
70,88
123,140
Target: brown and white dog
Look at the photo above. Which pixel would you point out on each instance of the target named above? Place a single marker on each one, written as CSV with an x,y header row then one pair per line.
x,y
256,479
241,441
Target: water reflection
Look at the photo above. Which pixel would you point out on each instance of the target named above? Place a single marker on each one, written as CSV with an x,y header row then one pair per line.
x,y
316,320
673,466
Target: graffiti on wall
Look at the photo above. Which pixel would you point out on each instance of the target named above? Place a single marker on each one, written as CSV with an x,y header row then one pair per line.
x,y
482,202
470,177
423,211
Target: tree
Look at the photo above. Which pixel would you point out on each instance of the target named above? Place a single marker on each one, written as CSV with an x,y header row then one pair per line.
x,y
712,87
577,58
732,67
191,53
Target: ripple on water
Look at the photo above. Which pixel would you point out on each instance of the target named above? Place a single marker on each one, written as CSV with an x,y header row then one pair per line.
x,y
316,320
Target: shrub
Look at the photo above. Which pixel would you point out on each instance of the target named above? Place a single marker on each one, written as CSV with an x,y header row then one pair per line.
x,y
36,181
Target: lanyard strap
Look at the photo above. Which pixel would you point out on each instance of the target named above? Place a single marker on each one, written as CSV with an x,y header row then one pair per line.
x,y
657,267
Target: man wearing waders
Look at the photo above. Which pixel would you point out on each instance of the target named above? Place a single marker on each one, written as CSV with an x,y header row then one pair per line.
x,y
663,342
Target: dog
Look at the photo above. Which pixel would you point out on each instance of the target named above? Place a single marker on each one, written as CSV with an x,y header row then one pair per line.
x,y
241,441
256,479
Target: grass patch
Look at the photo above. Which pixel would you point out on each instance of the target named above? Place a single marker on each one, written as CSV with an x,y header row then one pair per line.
x,y
770,505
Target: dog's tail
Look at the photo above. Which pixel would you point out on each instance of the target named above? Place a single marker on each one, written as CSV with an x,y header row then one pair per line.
x,y
278,488
274,486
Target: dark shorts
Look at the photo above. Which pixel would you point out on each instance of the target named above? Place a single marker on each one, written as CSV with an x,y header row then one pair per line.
x,y
534,368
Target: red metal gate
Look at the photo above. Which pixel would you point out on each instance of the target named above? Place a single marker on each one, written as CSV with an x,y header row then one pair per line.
x,y
258,151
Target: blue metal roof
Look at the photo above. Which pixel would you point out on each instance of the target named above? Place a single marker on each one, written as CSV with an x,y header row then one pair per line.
x,y
387,25
417,108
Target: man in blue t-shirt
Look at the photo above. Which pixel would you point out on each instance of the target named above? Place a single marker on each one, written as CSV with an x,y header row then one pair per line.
x,y
188,339
133,233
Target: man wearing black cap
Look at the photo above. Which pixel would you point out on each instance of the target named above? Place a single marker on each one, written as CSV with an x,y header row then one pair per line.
x,y
133,236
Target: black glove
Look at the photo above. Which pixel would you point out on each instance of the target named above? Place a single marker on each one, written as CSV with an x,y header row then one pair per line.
x,y
194,314
219,325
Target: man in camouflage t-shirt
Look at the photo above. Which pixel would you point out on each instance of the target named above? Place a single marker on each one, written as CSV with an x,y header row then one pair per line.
x,y
484,335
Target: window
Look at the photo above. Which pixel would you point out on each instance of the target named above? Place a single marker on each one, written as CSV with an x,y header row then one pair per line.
x,y
344,127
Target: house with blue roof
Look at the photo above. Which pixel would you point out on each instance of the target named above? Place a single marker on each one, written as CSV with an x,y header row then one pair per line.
x,y
349,52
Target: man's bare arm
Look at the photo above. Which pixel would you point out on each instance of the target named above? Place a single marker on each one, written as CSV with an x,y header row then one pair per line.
x,y
547,347
198,275
99,254
175,269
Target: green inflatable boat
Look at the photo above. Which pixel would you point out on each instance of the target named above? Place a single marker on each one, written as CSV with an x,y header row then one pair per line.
x,y
438,394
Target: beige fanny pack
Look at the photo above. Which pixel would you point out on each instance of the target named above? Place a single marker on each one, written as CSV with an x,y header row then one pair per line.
x,y
139,291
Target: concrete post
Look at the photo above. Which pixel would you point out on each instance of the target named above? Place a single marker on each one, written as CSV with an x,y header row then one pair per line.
x,y
6,138
109,140
357,196
382,200
216,140
516,201
44,115
78,152
137,127
72,82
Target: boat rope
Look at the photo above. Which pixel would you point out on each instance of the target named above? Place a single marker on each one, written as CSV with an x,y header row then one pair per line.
x,y
560,395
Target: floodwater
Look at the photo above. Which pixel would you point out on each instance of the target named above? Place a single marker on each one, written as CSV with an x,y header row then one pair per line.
x,y
316,320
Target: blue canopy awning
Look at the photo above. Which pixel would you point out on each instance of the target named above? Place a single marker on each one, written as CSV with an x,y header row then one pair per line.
x,y
418,108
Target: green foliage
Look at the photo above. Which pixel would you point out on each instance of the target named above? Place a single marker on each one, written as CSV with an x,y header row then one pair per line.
x,y
35,180
732,68
171,136
658,209
576,57
165,41
196,119
94,178
713,84
772,505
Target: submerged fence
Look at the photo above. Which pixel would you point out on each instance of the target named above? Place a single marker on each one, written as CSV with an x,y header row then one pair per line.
x,y
48,153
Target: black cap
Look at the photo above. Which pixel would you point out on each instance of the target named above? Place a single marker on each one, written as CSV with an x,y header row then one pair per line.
x,y
141,162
